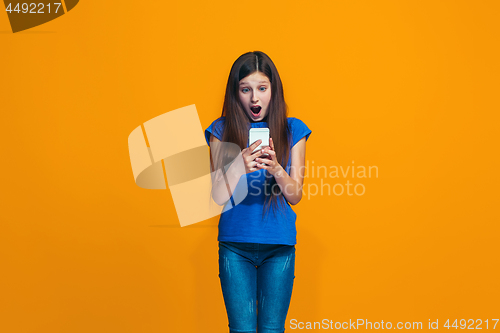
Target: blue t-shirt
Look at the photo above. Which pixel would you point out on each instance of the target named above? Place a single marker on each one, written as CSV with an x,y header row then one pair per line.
x,y
245,222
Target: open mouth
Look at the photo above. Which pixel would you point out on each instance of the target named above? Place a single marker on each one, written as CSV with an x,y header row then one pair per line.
x,y
256,110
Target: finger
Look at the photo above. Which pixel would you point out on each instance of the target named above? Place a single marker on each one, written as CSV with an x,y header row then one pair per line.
x,y
262,166
271,154
265,161
250,158
256,153
254,166
254,145
266,149
267,157
265,165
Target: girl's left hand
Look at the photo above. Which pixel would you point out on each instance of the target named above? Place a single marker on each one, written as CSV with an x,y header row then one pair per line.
x,y
270,164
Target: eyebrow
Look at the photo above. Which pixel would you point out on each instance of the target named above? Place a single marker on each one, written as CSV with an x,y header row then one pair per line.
x,y
259,82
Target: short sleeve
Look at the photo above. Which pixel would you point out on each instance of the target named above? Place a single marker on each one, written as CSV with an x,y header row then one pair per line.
x,y
299,130
216,128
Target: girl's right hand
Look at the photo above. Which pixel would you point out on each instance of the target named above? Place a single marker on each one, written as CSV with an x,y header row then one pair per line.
x,y
249,157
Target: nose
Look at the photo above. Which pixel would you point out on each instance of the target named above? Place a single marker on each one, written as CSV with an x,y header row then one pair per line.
x,y
254,98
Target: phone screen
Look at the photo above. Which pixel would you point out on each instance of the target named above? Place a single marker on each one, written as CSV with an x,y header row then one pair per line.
x,y
256,134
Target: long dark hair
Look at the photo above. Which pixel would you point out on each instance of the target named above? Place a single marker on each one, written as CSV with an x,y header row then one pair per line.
x,y
237,124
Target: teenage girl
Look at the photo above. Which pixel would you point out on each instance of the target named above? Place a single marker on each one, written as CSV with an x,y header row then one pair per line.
x,y
257,234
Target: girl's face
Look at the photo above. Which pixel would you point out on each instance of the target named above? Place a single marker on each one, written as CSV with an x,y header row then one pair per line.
x,y
255,95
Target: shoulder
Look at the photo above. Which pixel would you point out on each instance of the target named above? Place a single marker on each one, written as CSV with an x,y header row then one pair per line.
x,y
218,122
216,128
295,122
298,130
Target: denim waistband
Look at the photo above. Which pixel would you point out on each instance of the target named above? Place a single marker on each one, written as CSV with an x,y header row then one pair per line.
x,y
257,251
254,246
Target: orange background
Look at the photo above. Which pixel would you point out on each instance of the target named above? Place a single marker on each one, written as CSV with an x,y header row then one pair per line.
x,y
410,87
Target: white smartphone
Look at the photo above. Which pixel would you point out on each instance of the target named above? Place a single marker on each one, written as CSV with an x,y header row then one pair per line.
x,y
256,134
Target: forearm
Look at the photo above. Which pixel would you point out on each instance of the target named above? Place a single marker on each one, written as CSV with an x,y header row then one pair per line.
x,y
222,191
290,188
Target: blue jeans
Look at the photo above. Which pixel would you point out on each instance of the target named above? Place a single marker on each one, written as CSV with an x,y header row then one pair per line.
x,y
257,282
